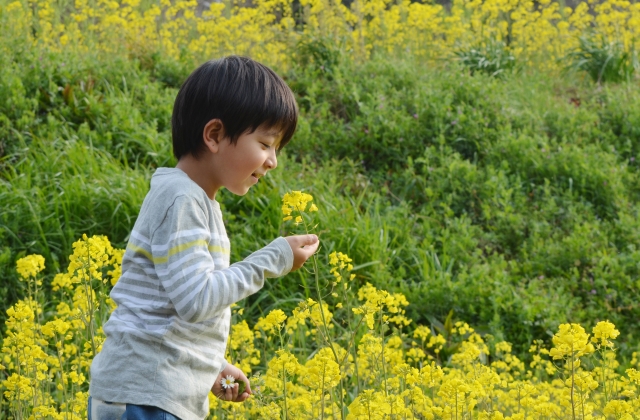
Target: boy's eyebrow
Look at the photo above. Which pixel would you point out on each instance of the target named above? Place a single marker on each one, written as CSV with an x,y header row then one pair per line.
x,y
273,133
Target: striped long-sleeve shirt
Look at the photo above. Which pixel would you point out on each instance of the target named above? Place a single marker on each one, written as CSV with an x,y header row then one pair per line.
x,y
167,337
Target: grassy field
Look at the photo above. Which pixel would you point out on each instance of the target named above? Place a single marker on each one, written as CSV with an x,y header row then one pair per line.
x,y
504,196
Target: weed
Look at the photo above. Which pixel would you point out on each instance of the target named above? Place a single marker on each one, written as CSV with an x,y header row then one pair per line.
x,y
604,60
492,58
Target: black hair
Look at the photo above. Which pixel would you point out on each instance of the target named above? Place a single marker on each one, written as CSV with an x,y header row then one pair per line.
x,y
239,91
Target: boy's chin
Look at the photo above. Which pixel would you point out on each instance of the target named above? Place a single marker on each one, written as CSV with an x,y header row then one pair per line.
x,y
239,191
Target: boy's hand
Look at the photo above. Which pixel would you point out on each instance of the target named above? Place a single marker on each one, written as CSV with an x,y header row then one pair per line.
x,y
303,247
231,394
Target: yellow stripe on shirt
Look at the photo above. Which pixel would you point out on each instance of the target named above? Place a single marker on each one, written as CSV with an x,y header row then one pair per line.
x,y
179,248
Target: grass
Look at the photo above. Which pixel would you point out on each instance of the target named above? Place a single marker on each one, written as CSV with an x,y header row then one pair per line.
x,y
507,200
58,189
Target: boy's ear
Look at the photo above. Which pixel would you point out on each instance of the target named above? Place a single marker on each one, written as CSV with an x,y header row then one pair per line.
x,y
213,134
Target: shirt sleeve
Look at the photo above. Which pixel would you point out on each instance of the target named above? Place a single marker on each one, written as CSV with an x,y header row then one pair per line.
x,y
184,253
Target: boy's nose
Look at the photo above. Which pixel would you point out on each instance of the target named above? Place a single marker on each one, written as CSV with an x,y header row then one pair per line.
x,y
272,161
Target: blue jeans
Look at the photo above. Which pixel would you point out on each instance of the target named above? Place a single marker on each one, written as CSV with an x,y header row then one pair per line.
x,y
109,411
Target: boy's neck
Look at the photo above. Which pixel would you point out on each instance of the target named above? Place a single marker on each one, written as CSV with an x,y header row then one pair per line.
x,y
196,169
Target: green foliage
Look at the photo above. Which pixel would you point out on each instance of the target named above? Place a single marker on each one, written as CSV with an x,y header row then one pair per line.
x,y
512,201
603,60
319,54
493,59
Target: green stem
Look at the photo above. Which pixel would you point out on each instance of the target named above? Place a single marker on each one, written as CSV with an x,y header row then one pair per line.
x,y
326,335
326,329
519,406
573,407
384,365
604,377
284,386
88,293
62,374
322,393
87,290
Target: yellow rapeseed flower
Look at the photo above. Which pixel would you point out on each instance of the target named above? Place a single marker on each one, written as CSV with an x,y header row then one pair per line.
x,y
61,281
369,405
30,266
571,341
296,201
321,372
57,326
618,408
272,322
89,256
603,331
17,387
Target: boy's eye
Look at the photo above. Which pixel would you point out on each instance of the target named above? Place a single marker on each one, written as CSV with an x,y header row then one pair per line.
x,y
266,145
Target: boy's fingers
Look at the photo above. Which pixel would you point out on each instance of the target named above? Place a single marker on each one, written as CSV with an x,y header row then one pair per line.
x,y
303,247
304,240
311,249
247,388
310,240
228,394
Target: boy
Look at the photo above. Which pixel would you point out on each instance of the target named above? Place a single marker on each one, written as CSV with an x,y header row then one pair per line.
x,y
166,340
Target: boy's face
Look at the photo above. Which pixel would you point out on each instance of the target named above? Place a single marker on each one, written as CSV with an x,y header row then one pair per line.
x,y
238,167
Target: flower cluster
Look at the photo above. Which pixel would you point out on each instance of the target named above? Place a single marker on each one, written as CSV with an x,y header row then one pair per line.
x,y
242,350
296,202
47,355
571,341
603,332
30,266
274,321
339,262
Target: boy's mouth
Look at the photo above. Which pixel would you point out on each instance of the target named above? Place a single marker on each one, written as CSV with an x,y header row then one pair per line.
x,y
257,175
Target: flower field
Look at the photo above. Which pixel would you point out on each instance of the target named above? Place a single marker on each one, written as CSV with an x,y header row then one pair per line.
x,y
535,33
471,171
351,353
